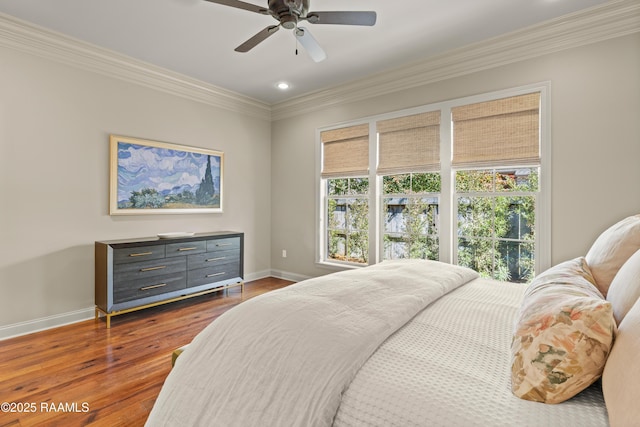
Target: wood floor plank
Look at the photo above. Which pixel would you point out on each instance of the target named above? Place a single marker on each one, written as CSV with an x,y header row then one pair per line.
x,y
105,377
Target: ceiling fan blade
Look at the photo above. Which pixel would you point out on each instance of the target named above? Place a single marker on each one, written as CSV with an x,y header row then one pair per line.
x,y
342,18
310,44
257,39
242,5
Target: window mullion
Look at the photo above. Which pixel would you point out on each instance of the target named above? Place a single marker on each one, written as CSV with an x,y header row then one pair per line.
x,y
448,209
375,232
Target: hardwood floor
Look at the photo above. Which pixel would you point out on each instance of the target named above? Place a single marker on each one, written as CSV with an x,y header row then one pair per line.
x,y
84,374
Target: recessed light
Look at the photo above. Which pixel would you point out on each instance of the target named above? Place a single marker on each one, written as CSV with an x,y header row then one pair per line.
x,y
283,85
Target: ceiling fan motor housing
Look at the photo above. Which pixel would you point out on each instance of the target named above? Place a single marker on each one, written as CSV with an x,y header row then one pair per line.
x,y
288,11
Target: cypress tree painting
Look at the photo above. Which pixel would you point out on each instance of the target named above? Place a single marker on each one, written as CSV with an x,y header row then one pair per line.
x,y
156,177
206,192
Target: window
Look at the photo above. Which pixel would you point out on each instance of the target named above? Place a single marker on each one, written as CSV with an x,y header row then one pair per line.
x,y
496,207
345,166
348,219
496,222
409,166
410,209
463,181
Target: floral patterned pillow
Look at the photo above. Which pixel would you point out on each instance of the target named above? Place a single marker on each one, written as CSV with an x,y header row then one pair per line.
x,y
563,335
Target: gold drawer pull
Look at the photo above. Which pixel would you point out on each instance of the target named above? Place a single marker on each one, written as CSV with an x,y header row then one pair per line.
x,y
160,267
224,244
141,254
146,288
215,274
186,249
216,259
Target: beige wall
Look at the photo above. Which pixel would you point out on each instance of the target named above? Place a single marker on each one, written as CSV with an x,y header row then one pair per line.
x,y
54,127
595,94
55,122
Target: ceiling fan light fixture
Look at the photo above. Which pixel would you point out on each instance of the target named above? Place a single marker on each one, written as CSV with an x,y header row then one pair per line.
x,y
310,44
289,22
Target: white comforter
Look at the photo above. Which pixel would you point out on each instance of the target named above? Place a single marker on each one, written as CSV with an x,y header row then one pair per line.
x,y
450,366
286,357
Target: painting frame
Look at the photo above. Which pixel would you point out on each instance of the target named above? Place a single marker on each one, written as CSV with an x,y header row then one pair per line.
x,y
154,177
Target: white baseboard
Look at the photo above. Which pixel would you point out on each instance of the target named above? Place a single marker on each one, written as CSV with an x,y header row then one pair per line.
x,y
44,323
278,274
286,275
57,320
250,277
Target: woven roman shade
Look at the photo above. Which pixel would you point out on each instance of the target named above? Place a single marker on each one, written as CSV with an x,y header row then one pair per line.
x,y
500,132
345,151
409,143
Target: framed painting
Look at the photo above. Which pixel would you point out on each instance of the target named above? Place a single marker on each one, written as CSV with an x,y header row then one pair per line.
x,y
150,177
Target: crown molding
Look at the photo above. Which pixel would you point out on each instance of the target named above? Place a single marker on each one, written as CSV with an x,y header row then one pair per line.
x,y
614,19
29,38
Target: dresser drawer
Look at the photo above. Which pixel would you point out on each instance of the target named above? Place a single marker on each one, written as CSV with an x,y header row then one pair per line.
x,y
137,254
218,273
211,259
223,244
185,248
150,268
128,291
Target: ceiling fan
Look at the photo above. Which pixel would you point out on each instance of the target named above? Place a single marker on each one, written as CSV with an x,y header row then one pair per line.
x,y
289,13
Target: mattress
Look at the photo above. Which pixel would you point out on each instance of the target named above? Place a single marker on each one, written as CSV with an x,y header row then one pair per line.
x,y
450,366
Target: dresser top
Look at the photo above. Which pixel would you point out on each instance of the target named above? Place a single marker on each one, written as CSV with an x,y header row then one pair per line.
x,y
155,240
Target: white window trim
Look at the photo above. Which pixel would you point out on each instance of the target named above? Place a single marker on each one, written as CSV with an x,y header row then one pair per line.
x,y
374,196
447,208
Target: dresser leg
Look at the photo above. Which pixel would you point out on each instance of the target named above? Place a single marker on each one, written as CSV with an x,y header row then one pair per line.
x,y
107,317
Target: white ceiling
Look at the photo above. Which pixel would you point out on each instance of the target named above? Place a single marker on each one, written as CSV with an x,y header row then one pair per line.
x,y
197,38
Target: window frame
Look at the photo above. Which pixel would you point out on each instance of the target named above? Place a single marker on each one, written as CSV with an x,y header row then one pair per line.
x,y
447,208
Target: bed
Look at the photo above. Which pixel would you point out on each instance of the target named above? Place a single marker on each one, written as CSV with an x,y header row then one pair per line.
x,y
424,343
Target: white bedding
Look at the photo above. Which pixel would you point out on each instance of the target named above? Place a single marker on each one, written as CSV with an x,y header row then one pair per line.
x,y
285,358
450,366
376,357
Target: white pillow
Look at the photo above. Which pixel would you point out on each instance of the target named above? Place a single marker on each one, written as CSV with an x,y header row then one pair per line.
x,y
625,287
612,249
621,375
